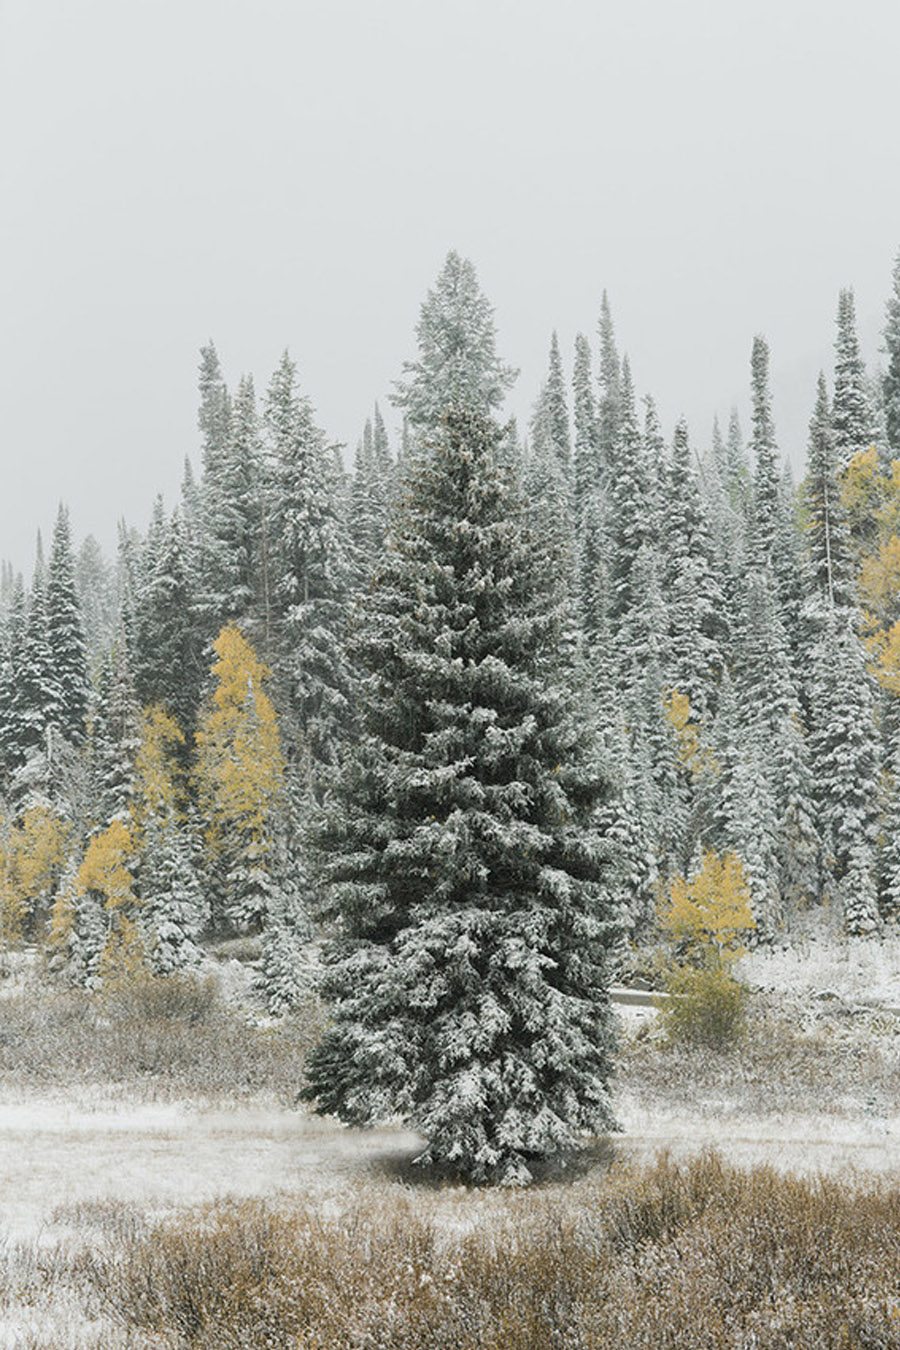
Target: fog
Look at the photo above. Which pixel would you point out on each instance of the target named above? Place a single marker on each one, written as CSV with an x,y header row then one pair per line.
x,y
283,173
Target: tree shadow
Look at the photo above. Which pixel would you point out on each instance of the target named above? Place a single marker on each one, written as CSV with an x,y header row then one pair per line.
x,y
402,1167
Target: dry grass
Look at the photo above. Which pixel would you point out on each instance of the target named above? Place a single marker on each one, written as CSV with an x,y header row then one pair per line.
x,y
837,1065
700,1255
170,1037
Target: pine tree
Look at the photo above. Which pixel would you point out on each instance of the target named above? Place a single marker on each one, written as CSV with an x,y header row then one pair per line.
x,y
168,645
310,570
457,365
469,970
850,416
827,537
12,751
765,455
891,380
631,506
692,595
550,432
610,376
171,912
845,761
115,738
231,516
890,855
36,703
96,591
736,479
586,464
215,410
65,635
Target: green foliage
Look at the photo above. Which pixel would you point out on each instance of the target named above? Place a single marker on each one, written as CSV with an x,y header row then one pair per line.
x,y
706,1005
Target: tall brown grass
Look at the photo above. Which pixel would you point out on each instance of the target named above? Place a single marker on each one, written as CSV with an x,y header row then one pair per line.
x,y
697,1255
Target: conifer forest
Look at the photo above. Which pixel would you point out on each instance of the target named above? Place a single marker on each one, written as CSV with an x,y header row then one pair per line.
x,y
449,676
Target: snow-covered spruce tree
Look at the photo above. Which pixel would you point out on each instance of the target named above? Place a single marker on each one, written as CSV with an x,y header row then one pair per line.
x,y
167,650
766,468
891,380
461,866
631,516
845,760
550,432
586,466
229,550
65,634
609,377
744,812
457,365
214,412
96,590
36,702
310,570
694,602
11,752
827,538
115,738
850,414
171,913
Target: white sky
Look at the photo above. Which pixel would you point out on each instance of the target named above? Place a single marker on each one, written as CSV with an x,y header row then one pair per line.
x,y
275,172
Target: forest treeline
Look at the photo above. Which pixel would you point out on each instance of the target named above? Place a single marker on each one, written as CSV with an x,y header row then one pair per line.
x,y
173,721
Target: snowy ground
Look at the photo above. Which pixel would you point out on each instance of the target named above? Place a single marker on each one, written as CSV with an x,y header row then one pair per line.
x,y
58,1152
861,970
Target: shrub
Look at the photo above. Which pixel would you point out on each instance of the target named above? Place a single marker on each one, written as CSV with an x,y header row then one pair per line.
x,y
689,1256
707,1006
163,998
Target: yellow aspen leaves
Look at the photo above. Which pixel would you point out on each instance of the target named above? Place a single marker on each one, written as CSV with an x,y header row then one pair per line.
x,y
711,912
240,767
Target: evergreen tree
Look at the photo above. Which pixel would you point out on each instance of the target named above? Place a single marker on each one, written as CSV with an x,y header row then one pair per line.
x,y
586,465
765,455
231,507
96,591
610,376
37,702
65,635
171,914
850,417
891,381
845,761
457,365
827,537
631,508
115,738
693,598
12,750
550,433
215,410
168,646
469,969
310,569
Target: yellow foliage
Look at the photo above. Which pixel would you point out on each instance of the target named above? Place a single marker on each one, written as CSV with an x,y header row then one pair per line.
x,y
879,579
711,912
29,865
862,494
104,868
687,733
158,775
884,648
62,921
240,768
123,959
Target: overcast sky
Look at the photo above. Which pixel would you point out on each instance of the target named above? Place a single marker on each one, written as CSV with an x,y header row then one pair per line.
x,y
292,172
